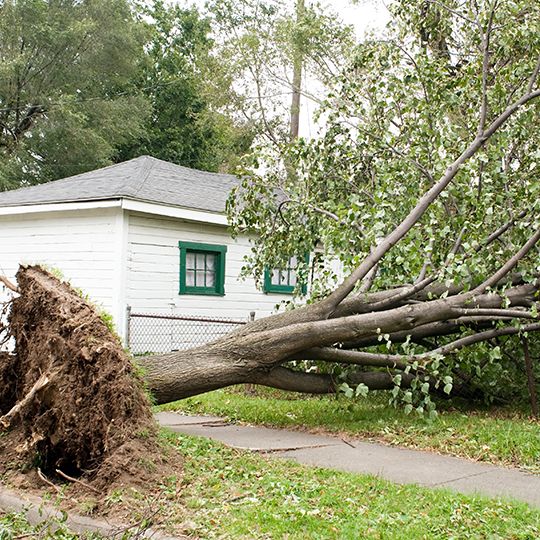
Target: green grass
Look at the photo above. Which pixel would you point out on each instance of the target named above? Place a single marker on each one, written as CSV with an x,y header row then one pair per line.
x,y
496,436
231,494
225,493
15,525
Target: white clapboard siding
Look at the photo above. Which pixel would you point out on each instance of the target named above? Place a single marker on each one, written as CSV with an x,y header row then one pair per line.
x,y
81,244
153,271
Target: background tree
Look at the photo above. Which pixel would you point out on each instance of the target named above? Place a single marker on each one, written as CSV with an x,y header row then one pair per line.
x,y
182,80
274,50
66,98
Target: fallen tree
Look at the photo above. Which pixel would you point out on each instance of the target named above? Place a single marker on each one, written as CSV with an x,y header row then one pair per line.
x,y
466,292
439,248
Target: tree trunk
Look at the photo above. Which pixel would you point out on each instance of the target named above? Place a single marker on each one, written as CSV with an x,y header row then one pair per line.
x,y
256,353
297,75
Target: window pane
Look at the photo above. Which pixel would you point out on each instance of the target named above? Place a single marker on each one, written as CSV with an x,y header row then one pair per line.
x,y
292,278
211,261
210,279
199,277
200,260
293,262
190,260
276,277
190,278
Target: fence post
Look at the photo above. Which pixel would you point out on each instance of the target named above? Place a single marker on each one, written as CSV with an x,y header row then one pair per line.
x,y
128,326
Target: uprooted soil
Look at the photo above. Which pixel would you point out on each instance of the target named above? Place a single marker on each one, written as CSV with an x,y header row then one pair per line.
x,y
91,419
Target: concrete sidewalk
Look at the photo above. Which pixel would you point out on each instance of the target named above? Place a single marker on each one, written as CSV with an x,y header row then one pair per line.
x,y
353,455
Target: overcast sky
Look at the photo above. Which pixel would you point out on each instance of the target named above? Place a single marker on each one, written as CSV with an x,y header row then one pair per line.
x,y
364,14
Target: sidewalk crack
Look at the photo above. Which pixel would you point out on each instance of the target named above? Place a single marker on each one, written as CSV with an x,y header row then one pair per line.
x,y
291,449
459,478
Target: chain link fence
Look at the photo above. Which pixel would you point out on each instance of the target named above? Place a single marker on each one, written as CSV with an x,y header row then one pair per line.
x,y
161,333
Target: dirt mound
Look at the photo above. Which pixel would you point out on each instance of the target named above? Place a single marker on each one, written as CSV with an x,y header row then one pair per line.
x,y
70,399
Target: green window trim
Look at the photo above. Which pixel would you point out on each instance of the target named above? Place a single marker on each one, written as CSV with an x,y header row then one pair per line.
x,y
218,289
269,287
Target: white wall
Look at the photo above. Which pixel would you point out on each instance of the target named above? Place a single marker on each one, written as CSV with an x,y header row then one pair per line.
x,y
82,244
121,258
153,270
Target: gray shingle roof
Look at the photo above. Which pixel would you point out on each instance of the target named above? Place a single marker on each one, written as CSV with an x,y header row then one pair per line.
x,y
142,179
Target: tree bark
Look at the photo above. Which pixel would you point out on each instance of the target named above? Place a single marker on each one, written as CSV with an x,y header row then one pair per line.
x,y
256,353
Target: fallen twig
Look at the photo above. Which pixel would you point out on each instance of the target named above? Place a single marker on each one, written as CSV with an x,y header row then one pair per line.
x,y
77,481
47,481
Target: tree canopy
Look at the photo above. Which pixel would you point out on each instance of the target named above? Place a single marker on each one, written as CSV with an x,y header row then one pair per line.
x,y
66,98
186,88
84,84
436,98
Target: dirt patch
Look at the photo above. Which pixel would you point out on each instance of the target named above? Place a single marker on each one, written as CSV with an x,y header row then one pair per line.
x,y
73,401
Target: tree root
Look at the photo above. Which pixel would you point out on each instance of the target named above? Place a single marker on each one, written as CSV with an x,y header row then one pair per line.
x,y
40,384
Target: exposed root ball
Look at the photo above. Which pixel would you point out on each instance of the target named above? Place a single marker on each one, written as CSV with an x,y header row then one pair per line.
x,y
70,399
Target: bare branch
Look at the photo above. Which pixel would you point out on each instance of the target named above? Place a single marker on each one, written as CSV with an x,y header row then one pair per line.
x,y
505,313
500,231
321,383
534,77
369,279
508,266
401,361
482,336
402,294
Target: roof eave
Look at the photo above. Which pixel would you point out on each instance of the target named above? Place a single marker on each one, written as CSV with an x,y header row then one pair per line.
x,y
39,208
187,214
126,203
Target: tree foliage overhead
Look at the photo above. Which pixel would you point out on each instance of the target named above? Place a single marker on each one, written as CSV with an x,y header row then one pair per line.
x,y
86,83
66,96
435,98
260,42
185,86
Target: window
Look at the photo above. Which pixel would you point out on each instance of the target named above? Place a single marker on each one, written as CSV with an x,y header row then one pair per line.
x,y
283,280
202,268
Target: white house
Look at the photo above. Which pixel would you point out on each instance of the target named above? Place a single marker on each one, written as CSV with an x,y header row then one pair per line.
x,y
144,233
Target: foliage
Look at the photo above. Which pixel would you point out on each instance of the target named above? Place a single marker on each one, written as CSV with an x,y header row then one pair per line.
x,y
404,108
14,525
83,84
181,78
66,100
502,435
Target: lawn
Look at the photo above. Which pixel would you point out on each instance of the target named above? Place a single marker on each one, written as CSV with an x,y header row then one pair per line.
x,y
501,436
223,493
235,494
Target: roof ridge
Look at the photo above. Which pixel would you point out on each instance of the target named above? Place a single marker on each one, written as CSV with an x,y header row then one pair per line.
x,y
186,168
129,187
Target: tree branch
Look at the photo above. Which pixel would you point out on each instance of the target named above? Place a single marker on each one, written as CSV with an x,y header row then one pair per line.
x,y
322,383
508,266
331,302
401,361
